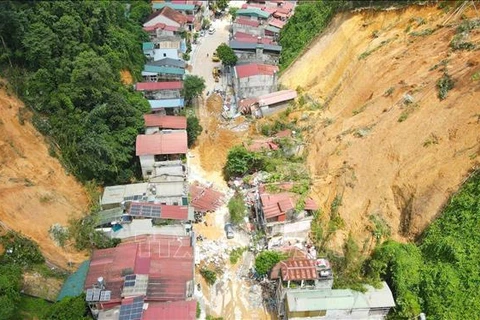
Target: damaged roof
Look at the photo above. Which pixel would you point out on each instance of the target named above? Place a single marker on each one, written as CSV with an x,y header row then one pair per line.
x,y
205,198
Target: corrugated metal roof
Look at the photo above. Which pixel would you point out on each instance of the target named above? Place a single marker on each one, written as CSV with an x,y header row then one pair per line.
x,y
285,11
246,37
162,143
155,86
254,69
277,23
185,310
276,97
298,269
310,205
174,6
272,29
163,69
173,212
165,122
274,205
279,15
168,62
242,45
339,299
247,22
253,12
204,198
166,103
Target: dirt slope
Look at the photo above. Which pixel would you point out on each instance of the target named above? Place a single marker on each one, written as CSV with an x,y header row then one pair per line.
x,y
402,171
35,191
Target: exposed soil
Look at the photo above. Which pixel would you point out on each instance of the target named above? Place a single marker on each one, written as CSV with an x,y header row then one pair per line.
x,y
216,139
35,190
126,77
383,156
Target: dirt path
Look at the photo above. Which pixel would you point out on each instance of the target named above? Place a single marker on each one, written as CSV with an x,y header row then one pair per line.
x,y
387,159
35,191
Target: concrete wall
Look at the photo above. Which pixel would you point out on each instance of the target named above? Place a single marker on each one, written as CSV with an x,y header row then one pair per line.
x,y
256,31
252,56
255,86
159,54
163,77
162,94
147,162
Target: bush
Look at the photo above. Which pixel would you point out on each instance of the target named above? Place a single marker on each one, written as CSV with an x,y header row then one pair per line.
x,y
209,275
444,84
236,254
20,250
266,260
10,285
194,129
83,232
240,162
237,209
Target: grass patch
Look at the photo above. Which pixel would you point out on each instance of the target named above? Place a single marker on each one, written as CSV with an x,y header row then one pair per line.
x,y
365,54
407,111
431,140
476,76
31,308
237,208
388,92
359,110
422,33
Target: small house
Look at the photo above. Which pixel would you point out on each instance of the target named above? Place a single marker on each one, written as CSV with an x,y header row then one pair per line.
x,y
166,106
248,52
252,80
167,16
270,103
155,123
153,73
163,147
160,90
253,27
253,14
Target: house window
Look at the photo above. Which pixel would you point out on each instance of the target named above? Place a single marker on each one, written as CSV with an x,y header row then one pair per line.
x,y
149,172
164,55
175,203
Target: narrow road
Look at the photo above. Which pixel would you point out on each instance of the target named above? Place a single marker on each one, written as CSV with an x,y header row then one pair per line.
x,y
203,65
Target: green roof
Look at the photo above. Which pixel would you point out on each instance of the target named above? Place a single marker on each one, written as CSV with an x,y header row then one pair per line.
x,y
312,300
253,12
73,286
162,69
272,29
174,6
108,216
148,46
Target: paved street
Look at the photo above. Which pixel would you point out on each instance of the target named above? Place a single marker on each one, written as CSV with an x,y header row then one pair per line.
x,y
203,65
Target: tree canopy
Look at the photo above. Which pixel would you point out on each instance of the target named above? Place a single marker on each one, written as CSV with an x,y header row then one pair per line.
x,y
10,284
71,54
193,86
226,55
266,260
194,129
240,161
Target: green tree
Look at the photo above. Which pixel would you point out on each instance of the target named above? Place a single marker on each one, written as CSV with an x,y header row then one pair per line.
x,y
10,285
41,44
193,86
226,55
209,275
194,129
266,260
69,308
237,208
233,12
240,161
20,250
221,4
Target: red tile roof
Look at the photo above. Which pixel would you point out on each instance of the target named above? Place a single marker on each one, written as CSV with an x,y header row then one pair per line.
x,y
261,145
269,10
276,97
165,122
204,198
173,15
275,205
246,37
155,86
287,5
254,69
304,269
284,10
162,143
247,22
190,18
310,205
276,23
174,212
162,26
185,310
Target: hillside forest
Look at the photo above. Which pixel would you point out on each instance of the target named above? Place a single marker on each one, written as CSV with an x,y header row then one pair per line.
x,y
64,59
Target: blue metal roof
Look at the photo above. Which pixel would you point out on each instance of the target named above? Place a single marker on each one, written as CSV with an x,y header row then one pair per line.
x,y
148,46
166,103
73,286
174,6
161,69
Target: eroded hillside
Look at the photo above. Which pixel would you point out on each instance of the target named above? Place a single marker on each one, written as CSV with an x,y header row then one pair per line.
x,y
384,142
35,191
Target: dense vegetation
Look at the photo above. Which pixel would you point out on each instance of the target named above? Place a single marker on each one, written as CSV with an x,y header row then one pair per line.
x,y
266,260
236,208
226,55
440,276
64,58
22,254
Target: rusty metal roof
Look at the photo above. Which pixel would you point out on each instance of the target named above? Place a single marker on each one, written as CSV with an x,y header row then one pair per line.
x,y
204,198
301,269
185,310
275,205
